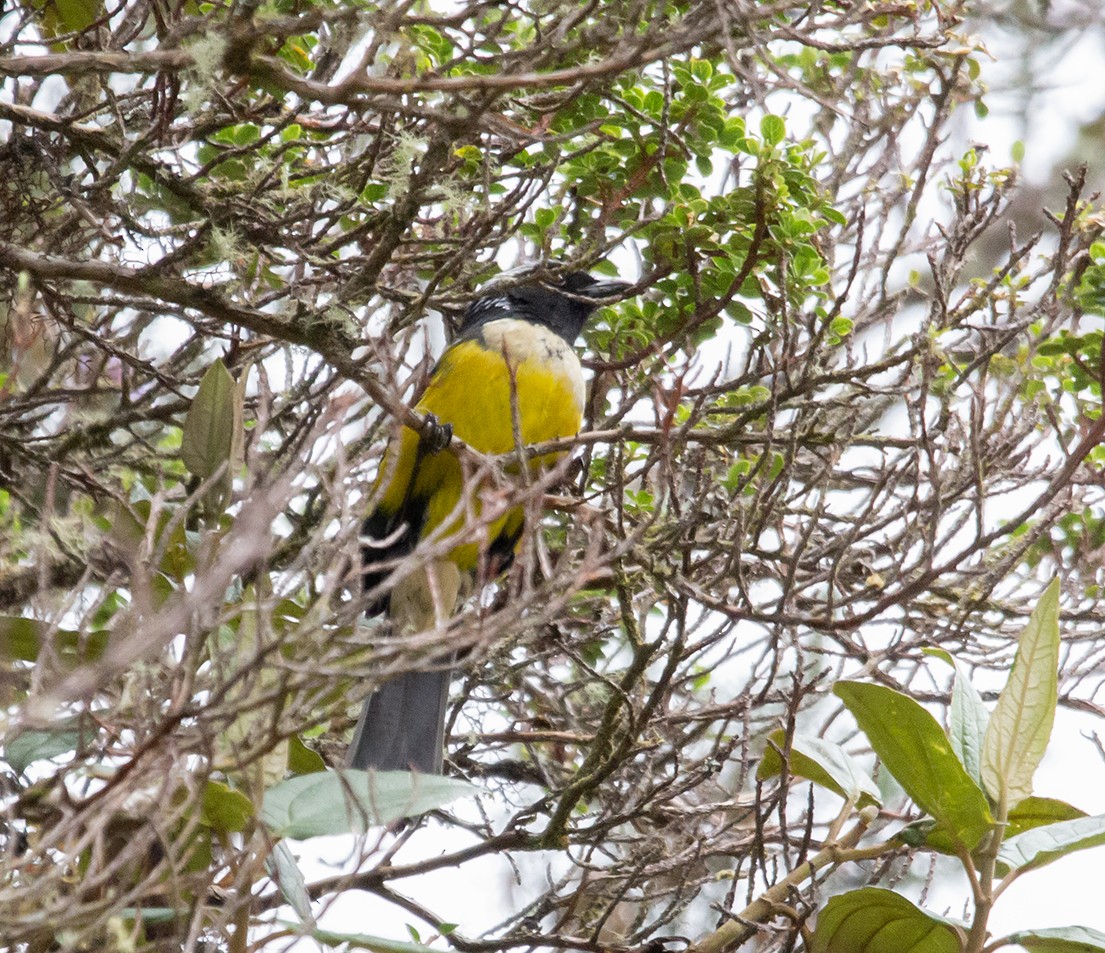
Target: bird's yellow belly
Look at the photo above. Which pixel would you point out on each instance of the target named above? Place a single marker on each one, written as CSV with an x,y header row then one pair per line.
x,y
519,372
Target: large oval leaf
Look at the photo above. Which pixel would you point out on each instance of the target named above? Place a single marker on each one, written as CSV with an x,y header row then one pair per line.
x,y
1060,940
209,426
344,802
821,762
874,920
1037,811
914,748
1020,727
967,717
31,746
1042,845
289,878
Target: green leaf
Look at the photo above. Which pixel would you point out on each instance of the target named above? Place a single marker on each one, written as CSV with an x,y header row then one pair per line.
x,y
224,809
1060,940
840,326
361,941
68,16
967,717
247,639
77,14
773,129
303,760
1031,813
1042,845
544,218
914,748
22,640
873,920
289,878
31,746
1036,812
153,914
1020,727
209,426
702,70
821,762
343,802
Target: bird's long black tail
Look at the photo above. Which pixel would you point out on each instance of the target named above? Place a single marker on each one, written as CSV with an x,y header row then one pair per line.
x,y
402,724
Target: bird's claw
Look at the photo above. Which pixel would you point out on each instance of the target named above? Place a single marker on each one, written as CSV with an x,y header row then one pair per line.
x,y
434,436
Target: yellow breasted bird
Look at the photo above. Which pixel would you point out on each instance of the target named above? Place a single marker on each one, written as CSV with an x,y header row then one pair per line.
x,y
514,355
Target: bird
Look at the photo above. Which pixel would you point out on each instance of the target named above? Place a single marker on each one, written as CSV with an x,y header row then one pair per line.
x,y
512,369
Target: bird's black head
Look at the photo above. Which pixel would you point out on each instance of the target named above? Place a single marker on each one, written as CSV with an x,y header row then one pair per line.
x,y
561,304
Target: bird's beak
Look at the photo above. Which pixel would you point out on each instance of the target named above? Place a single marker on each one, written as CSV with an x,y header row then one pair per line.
x,y
607,290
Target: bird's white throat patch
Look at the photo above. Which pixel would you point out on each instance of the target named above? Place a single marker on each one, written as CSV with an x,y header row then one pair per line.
x,y
521,341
